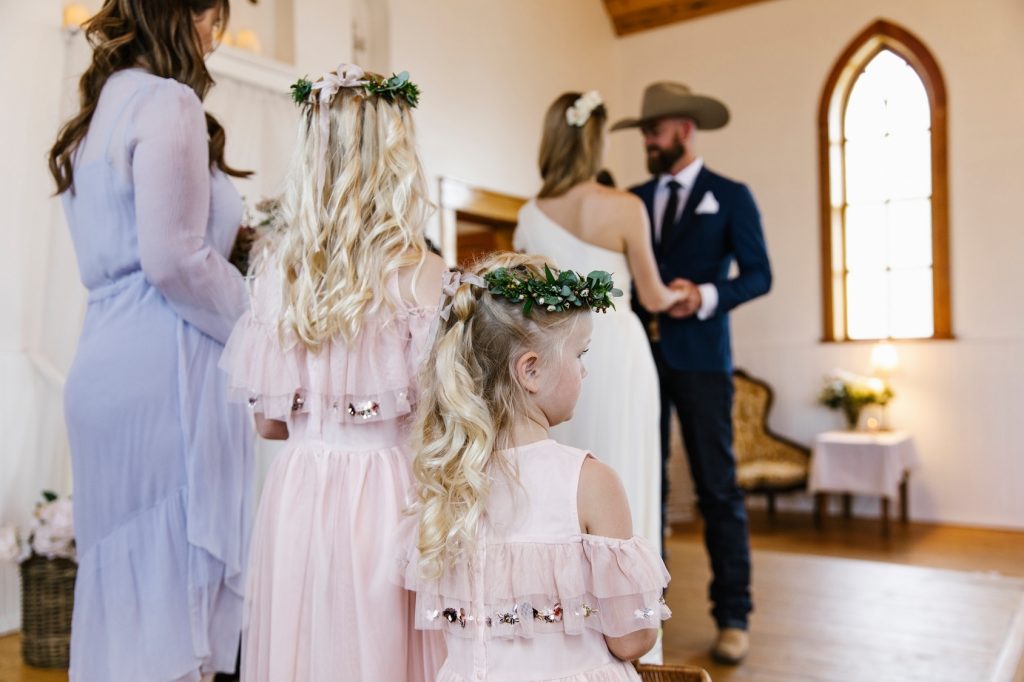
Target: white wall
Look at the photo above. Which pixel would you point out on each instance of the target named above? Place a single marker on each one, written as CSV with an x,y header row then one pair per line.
x,y
961,399
489,70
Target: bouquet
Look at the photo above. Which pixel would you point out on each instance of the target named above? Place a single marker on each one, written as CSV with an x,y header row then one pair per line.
x,y
257,221
851,393
51,535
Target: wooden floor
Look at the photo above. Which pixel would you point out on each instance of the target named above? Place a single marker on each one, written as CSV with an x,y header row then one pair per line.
x,y
792,591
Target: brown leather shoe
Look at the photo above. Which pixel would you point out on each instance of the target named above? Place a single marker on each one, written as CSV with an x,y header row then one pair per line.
x,y
731,647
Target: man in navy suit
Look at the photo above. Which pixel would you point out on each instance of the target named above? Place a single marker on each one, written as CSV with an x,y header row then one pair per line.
x,y
702,223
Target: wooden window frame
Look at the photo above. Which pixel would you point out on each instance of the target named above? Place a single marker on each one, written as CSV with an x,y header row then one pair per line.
x,y
881,35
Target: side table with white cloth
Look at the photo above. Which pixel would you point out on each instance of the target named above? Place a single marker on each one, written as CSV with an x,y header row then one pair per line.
x,y
862,463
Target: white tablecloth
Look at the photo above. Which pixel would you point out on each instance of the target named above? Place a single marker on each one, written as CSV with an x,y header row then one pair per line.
x,y
863,463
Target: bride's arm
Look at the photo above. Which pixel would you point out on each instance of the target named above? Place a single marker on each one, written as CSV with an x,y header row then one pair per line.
x,y
636,233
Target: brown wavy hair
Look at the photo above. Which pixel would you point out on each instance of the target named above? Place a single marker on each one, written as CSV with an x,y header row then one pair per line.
x,y
157,35
569,155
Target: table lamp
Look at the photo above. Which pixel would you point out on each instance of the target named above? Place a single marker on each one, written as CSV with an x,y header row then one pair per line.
x,y
884,363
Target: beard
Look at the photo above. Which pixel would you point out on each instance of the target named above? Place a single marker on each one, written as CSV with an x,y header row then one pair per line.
x,y
661,160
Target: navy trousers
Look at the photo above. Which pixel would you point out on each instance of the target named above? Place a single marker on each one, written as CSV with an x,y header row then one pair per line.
x,y
703,402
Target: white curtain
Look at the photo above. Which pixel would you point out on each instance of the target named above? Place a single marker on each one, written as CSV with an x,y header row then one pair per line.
x,y
252,103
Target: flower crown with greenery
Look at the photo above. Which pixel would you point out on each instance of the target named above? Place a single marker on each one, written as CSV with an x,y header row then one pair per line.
x,y
566,291
351,76
305,92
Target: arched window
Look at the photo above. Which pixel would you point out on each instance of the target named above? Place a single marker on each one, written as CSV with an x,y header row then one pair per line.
x,y
884,215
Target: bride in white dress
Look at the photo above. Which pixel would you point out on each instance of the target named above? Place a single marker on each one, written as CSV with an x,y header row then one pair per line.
x,y
584,226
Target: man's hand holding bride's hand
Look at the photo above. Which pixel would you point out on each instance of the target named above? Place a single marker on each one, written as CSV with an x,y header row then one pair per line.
x,y
690,299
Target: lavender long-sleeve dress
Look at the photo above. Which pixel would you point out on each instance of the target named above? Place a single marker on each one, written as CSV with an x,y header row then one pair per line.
x,y
162,463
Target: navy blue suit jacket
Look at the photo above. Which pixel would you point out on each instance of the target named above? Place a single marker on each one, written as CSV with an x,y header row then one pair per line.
x,y
701,249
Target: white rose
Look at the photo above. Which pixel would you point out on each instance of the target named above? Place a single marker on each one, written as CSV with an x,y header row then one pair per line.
x,y
10,548
48,544
592,99
59,516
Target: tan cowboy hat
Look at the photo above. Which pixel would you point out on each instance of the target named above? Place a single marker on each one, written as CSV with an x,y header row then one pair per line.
x,y
666,98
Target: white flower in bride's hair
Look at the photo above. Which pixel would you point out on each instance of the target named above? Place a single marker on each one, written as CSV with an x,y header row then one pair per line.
x,y
579,113
592,99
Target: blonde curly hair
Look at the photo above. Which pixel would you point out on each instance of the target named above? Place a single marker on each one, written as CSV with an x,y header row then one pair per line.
x,y
340,243
470,399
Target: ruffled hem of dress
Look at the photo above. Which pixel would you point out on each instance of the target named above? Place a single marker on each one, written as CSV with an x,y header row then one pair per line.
x,y
149,565
609,672
604,584
357,383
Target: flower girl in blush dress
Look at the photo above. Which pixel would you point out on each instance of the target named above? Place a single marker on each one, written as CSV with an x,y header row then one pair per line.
x,y
521,550
343,298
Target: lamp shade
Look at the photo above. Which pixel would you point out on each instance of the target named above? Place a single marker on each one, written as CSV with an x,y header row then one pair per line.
x,y
75,15
884,359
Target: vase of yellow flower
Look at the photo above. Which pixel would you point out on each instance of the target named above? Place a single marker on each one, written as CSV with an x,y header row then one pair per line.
x,y
852,393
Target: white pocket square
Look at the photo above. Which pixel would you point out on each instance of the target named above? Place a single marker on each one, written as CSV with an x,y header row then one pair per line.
x,y
708,204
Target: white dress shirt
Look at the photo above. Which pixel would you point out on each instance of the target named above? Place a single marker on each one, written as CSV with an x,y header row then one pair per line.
x,y
686,177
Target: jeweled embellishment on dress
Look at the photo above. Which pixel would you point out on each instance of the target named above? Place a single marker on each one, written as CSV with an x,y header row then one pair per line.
x,y
453,616
513,617
586,610
298,403
509,617
644,613
366,410
552,615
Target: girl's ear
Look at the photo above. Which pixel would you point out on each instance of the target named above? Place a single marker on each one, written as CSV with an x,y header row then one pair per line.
x,y
527,368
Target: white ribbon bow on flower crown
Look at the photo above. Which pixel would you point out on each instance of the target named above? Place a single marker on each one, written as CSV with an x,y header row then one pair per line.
x,y
345,76
453,279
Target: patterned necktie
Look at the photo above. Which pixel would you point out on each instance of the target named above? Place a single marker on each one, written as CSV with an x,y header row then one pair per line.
x,y
668,218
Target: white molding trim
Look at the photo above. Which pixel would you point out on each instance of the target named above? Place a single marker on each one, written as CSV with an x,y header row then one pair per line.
x,y
230,62
252,69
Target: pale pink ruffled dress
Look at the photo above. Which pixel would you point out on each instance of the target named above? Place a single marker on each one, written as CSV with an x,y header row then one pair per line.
x,y
320,604
541,595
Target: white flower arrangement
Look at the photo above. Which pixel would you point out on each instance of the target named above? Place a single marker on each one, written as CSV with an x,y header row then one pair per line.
x,y
851,392
579,113
51,535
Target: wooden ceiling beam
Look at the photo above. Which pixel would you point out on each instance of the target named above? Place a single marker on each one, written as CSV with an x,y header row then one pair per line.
x,y
633,16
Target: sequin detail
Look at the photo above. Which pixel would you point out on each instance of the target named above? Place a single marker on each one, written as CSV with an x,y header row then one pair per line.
x,y
453,616
366,410
513,617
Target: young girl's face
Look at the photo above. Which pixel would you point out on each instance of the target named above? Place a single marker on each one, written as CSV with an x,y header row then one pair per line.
x,y
564,373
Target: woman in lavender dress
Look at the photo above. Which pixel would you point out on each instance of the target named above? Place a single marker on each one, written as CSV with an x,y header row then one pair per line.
x,y
162,464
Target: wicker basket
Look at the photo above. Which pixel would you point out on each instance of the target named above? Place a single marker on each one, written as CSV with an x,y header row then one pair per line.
x,y
672,673
47,598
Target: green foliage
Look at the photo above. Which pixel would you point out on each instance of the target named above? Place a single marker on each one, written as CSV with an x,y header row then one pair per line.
x,y
566,291
398,86
301,90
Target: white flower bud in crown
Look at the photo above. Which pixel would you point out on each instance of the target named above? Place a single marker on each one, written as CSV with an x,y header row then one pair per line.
x,y
579,113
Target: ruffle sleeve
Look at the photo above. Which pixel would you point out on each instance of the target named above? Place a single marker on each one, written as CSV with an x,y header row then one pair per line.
x,y
612,586
373,378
